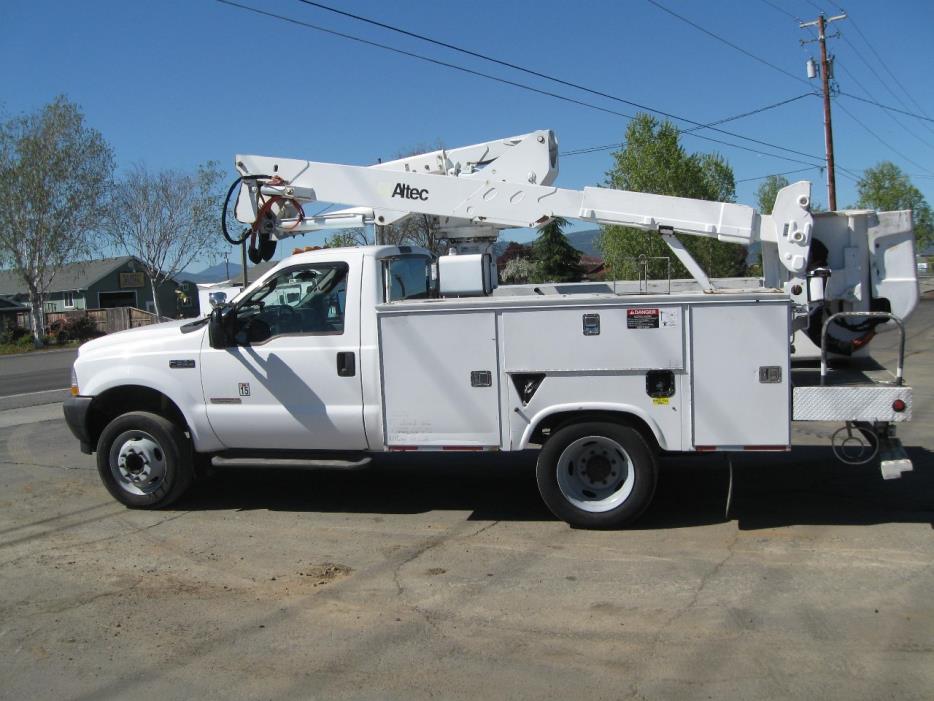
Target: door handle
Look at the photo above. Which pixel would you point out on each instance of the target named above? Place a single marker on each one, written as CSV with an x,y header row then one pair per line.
x,y
346,364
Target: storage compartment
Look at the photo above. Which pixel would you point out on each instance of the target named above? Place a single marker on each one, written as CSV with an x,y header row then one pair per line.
x,y
740,374
645,336
440,376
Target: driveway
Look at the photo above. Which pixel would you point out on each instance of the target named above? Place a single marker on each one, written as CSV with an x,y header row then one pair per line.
x,y
444,577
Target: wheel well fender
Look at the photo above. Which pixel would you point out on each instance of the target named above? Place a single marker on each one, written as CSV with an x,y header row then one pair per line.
x,y
111,403
553,418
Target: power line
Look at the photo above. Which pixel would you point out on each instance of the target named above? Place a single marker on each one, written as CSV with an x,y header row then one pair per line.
x,y
783,10
505,81
880,139
787,172
727,42
885,66
751,112
891,116
539,74
607,147
883,81
816,6
887,107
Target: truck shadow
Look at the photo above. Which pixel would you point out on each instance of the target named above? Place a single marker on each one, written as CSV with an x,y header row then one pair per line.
x,y
806,487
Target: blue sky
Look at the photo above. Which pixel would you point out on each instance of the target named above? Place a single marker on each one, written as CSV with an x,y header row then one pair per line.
x,y
174,83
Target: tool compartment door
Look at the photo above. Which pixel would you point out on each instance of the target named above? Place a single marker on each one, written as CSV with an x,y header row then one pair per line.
x,y
740,375
440,377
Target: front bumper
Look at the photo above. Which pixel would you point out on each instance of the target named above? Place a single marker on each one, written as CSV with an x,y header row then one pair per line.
x,y
76,416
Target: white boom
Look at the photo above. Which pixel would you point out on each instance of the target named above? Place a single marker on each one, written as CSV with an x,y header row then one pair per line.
x,y
476,191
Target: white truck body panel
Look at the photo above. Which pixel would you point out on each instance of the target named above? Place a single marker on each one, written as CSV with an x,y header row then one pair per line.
x,y
428,398
429,350
733,406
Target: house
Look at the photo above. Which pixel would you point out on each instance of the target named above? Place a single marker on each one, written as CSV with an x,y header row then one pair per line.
x,y
196,300
9,308
96,284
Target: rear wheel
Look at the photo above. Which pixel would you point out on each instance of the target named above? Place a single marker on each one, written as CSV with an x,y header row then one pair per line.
x,y
144,460
597,475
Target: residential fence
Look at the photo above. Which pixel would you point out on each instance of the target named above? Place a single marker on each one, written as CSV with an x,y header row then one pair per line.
x,y
106,320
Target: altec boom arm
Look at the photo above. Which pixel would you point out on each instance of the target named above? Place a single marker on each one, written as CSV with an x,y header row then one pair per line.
x,y
506,184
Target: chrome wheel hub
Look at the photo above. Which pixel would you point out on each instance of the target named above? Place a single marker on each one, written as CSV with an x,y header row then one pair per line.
x,y
138,462
595,474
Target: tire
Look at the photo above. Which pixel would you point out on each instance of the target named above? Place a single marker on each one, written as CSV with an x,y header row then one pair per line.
x,y
597,474
145,460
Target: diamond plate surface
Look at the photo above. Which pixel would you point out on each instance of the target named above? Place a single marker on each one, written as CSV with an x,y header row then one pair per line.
x,y
873,403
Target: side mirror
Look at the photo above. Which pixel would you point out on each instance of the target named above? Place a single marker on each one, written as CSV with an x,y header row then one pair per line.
x,y
217,325
217,298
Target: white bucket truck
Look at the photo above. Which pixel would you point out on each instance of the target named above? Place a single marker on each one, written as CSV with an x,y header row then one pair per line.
x,y
347,351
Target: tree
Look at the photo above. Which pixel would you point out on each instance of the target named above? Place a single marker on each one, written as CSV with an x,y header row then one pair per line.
x,y
54,174
167,219
768,191
653,160
885,187
513,250
555,258
518,271
346,238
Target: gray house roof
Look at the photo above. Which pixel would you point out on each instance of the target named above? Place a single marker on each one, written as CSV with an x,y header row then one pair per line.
x,y
11,305
74,276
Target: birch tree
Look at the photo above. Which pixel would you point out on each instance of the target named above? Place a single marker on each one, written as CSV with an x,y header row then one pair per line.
x,y
167,220
54,175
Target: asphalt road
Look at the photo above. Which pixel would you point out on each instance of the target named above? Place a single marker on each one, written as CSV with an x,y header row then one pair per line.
x,y
429,576
35,372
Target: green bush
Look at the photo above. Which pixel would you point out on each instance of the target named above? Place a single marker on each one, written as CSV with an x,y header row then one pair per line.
x,y
84,328
79,328
24,341
11,335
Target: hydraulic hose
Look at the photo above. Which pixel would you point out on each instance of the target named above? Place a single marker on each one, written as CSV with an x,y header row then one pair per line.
x,y
233,186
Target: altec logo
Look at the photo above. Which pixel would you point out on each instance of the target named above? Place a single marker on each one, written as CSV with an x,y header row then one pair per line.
x,y
407,192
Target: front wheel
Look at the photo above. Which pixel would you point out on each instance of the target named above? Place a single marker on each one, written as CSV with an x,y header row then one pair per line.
x,y
596,474
144,460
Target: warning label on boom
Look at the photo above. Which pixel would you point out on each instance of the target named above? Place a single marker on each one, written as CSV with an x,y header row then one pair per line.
x,y
642,318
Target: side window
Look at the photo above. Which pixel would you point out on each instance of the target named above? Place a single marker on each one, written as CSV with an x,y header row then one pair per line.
x,y
406,277
308,299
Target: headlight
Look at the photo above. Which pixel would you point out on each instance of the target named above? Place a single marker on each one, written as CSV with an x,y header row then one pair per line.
x,y
74,382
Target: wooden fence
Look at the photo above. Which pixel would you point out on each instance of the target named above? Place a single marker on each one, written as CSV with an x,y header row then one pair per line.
x,y
106,320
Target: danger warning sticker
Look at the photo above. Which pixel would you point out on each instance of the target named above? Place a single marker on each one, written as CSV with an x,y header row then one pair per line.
x,y
642,318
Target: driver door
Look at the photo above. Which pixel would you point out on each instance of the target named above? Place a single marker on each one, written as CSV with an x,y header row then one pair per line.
x,y
289,379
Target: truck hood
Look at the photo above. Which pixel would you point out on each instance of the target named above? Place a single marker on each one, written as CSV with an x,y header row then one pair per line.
x,y
147,339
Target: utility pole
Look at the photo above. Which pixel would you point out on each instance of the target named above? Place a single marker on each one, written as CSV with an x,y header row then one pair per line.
x,y
825,70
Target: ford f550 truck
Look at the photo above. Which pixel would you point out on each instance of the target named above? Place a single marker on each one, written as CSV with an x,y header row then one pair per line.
x,y
348,351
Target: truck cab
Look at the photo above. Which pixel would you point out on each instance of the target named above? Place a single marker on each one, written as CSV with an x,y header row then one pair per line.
x,y
280,369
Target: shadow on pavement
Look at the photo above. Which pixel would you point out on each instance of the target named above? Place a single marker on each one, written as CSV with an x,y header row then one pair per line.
x,y
807,486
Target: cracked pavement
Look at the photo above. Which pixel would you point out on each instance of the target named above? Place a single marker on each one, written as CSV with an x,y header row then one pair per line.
x,y
426,576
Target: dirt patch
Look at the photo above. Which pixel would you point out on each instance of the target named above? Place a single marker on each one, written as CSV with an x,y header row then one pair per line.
x,y
435,571
325,573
